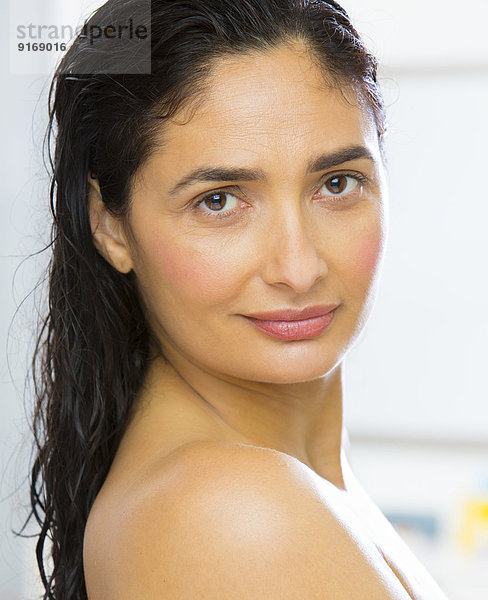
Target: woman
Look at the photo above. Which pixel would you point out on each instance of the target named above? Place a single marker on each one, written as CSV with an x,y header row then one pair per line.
x,y
219,227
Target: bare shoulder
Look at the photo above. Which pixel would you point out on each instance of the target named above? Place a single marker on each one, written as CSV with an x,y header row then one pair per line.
x,y
221,520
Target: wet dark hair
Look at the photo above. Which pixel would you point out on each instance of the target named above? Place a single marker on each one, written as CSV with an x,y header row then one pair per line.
x,y
94,344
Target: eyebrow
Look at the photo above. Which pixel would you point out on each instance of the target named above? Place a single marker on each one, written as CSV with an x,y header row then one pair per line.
x,y
319,163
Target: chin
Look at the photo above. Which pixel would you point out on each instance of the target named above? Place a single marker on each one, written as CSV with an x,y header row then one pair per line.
x,y
289,370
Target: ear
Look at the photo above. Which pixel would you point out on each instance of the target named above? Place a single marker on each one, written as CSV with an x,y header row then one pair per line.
x,y
107,230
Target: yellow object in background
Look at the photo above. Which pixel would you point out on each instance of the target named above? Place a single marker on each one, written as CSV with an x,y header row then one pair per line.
x,y
474,527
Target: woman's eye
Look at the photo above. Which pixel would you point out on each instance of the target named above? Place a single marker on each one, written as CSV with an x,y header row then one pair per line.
x,y
339,185
216,202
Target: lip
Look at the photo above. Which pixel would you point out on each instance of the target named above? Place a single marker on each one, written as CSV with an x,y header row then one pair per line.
x,y
292,324
292,314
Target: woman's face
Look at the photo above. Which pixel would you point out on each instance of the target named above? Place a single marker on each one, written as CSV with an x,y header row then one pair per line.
x,y
288,228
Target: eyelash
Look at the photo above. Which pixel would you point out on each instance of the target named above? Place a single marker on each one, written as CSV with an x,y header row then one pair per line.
x,y
361,179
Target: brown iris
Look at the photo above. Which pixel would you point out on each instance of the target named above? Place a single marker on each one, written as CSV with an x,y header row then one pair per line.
x,y
336,184
215,201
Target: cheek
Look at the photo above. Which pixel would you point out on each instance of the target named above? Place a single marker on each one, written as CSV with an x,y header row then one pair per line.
x,y
368,253
365,255
190,274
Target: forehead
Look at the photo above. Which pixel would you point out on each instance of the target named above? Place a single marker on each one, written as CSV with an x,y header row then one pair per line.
x,y
268,105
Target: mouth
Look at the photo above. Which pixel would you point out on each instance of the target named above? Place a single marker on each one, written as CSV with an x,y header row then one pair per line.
x,y
292,324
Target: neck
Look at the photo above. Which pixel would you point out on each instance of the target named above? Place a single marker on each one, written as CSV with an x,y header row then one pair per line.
x,y
304,419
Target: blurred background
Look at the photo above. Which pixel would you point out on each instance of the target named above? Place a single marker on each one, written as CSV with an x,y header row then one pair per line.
x,y
416,401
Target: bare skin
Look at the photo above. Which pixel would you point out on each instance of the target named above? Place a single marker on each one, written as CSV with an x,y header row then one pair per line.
x,y
288,244
283,241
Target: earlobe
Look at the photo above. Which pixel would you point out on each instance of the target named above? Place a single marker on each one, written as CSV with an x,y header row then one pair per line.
x,y
107,232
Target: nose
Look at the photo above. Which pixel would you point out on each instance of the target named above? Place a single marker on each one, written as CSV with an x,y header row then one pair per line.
x,y
294,257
